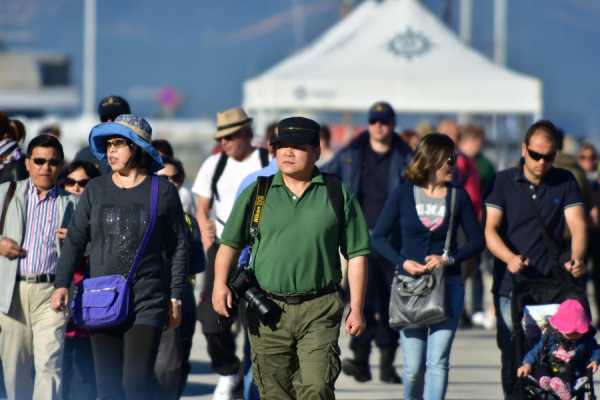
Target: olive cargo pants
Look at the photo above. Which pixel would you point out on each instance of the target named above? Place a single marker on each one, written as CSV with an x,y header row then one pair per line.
x,y
300,357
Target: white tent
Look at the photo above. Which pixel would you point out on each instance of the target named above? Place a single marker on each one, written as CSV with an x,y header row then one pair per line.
x,y
393,50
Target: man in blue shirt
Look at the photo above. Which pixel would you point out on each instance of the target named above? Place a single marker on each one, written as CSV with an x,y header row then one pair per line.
x,y
372,165
514,234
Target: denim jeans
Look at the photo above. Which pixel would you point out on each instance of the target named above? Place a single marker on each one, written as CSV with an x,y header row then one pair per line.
x,y
426,350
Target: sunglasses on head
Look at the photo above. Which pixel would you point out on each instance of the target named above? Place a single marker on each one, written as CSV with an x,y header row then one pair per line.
x,y
54,162
539,156
73,182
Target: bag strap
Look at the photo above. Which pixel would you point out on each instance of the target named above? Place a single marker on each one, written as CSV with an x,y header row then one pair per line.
x,y
144,243
336,197
215,178
9,195
264,156
448,241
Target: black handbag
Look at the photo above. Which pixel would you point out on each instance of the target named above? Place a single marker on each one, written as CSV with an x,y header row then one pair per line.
x,y
421,301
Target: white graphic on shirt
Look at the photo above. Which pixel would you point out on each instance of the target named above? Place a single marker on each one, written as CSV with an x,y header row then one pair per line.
x,y
431,215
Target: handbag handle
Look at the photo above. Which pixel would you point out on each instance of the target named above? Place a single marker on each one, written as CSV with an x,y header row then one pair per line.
x,y
149,228
448,241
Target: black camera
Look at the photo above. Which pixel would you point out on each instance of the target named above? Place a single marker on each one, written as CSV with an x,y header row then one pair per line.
x,y
244,285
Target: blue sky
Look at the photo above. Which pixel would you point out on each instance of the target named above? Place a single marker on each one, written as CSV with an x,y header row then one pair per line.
x,y
206,49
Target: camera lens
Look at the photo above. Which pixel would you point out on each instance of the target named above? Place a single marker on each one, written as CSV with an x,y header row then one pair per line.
x,y
263,306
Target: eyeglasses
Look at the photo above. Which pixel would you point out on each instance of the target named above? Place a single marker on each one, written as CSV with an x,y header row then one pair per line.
x,y
73,182
116,143
451,161
539,156
53,162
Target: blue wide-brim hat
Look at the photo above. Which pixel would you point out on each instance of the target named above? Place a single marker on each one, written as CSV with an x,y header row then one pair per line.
x,y
134,128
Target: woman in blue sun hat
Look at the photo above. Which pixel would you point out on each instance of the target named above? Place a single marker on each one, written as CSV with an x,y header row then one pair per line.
x,y
110,221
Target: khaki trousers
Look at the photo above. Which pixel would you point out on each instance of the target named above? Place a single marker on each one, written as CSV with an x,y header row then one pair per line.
x,y
299,358
32,339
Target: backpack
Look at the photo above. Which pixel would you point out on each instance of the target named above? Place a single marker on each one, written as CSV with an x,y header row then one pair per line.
x,y
222,163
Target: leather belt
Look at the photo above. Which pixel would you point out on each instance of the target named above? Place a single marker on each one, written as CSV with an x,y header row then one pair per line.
x,y
301,298
38,278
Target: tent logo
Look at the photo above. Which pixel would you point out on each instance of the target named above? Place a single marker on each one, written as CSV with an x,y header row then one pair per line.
x,y
409,44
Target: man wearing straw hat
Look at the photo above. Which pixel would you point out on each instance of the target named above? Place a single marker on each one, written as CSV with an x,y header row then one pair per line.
x,y
215,187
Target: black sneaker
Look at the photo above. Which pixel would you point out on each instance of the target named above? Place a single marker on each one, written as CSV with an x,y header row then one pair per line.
x,y
389,375
360,372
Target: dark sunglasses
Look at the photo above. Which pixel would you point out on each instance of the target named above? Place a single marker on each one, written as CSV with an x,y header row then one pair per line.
x,y
373,121
73,182
54,162
451,161
229,137
539,156
116,143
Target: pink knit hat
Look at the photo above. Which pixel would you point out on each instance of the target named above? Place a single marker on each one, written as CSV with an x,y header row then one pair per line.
x,y
571,318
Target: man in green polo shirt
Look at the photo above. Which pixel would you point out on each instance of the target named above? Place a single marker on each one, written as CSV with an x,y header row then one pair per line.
x,y
296,262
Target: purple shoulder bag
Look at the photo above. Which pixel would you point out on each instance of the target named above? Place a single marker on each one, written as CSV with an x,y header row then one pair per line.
x,y
103,301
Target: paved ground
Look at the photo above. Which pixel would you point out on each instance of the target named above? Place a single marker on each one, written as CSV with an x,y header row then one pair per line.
x,y
474,372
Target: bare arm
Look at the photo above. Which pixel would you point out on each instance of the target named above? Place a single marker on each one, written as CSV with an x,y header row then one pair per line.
x,y
496,244
221,298
575,218
357,282
207,226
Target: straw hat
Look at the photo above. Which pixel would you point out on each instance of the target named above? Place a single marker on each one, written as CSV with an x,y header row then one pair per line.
x,y
230,121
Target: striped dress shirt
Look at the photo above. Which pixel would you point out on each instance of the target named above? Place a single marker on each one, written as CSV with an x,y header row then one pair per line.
x,y
40,233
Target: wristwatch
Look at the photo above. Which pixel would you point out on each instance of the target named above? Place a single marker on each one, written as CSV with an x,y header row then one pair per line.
x,y
176,302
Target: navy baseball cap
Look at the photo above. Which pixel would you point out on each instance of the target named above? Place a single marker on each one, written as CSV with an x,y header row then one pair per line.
x,y
382,112
111,107
297,130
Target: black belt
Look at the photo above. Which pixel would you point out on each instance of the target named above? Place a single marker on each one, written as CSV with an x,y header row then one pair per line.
x,y
38,278
301,298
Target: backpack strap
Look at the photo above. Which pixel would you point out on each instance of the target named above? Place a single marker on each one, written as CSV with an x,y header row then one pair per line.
x,y
215,178
336,198
9,195
264,156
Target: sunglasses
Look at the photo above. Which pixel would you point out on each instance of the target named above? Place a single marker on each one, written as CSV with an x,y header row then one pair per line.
x,y
73,182
53,162
373,121
117,143
539,156
451,161
229,137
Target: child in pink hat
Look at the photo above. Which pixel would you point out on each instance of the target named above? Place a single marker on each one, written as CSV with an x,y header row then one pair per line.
x,y
564,352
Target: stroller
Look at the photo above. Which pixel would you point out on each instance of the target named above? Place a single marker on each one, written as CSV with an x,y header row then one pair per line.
x,y
534,301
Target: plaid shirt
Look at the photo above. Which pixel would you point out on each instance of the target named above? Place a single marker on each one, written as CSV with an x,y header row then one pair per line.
x,y
40,233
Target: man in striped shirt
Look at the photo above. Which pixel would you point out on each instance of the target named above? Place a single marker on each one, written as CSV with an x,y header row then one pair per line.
x,y
32,333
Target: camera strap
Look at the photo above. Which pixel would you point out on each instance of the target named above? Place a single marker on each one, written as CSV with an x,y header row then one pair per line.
x,y
259,197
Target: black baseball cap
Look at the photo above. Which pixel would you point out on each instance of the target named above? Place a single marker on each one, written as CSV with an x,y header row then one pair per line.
x,y
382,112
297,130
111,107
